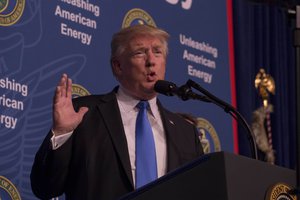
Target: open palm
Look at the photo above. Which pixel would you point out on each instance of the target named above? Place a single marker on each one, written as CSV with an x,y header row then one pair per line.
x,y
65,118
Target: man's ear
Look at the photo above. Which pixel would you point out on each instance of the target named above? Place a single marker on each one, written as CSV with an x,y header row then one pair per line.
x,y
116,66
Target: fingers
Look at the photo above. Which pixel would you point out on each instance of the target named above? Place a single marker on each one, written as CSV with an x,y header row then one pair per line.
x,y
57,94
69,88
64,88
63,85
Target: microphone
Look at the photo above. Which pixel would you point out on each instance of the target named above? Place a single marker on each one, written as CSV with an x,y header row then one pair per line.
x,y
231,110
184,92
166,88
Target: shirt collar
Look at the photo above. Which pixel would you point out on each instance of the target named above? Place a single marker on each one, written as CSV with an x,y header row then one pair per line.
x,y
128,103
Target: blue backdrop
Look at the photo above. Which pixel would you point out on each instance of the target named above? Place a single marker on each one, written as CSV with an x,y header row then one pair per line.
x,y
40,40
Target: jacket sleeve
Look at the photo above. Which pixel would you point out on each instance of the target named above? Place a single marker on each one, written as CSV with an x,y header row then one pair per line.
x,y
50,169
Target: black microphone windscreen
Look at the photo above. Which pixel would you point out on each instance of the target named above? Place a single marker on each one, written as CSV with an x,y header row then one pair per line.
x,y
165,87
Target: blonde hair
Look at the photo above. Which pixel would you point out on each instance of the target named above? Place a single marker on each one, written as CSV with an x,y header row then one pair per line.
x,y
121,39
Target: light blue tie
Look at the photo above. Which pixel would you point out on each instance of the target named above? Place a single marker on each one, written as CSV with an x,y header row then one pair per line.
x,y
146,170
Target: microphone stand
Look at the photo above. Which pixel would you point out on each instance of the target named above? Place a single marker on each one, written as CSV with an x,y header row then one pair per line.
x,y
229,109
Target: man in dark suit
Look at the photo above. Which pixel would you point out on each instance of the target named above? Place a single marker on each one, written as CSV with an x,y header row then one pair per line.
x,y
90,151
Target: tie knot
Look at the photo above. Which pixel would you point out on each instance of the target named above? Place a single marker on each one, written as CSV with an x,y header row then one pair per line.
x,y
143,105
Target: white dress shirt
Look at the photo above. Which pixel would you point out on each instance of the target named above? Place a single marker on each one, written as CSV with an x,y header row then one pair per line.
x,y
129,112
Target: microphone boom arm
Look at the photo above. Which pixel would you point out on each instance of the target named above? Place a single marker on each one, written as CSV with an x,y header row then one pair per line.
x,y
229,109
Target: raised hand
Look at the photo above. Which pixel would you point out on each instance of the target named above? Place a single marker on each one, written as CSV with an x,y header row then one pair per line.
x,y
65,118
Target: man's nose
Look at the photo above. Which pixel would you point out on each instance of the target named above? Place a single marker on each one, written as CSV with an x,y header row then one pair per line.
x,y
150,59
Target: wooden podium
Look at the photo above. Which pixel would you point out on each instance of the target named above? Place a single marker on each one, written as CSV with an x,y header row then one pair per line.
x,y
217,176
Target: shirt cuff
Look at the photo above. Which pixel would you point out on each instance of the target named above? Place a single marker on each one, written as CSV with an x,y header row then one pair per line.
x,y
58,141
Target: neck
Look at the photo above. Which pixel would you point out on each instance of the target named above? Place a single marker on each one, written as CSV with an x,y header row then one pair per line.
x,y
145,97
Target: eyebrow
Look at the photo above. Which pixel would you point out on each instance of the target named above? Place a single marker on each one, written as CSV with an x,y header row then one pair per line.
x,y
140,46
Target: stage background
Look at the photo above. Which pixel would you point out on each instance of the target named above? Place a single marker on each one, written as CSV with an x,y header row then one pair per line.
x,y
264,32
36,48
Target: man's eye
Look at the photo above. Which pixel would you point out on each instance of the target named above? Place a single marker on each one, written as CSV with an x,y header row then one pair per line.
x,y
158,52
138,53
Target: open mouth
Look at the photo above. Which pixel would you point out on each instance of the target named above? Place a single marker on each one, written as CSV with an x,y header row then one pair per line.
x,y
151,76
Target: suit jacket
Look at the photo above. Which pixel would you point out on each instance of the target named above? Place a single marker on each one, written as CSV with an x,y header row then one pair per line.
x,y
94,162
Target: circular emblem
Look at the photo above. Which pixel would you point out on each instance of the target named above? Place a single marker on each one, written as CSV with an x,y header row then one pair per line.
x,y
137,16
8,190
11,11
79,91
3,5
208,136
279,191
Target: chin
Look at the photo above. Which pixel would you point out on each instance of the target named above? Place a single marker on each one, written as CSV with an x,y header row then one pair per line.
x,y
148,93
149,96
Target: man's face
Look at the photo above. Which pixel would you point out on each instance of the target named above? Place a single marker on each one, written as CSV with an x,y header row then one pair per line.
x,y
142,64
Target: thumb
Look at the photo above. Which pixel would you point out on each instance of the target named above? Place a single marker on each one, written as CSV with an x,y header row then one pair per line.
x,y
82,111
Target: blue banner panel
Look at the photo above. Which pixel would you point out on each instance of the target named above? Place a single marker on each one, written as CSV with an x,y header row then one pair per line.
x,y
40,40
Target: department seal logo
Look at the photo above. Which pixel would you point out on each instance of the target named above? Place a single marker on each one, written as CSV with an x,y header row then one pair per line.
x,y
137,16
11,11
279,191
79,91
208,136
3,5
8,190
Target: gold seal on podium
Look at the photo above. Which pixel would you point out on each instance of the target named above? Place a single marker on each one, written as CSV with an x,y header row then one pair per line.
x,y
280,191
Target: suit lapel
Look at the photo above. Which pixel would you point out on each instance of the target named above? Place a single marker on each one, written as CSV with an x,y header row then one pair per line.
x,y
110,110
112,118
171,132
